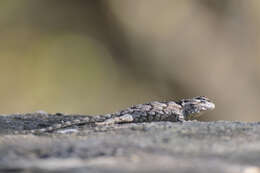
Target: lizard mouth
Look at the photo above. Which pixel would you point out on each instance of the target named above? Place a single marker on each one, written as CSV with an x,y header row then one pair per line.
x,y
205,108
208,106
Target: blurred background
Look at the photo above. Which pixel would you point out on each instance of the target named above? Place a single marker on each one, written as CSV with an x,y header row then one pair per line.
x,y
95,57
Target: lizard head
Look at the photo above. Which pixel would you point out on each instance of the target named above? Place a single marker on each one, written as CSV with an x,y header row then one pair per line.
x,y
193,108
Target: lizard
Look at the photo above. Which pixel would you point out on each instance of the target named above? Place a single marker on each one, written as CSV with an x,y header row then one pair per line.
x,y
174,111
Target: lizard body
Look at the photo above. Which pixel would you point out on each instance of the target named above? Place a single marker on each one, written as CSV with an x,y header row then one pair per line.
x,y
182,110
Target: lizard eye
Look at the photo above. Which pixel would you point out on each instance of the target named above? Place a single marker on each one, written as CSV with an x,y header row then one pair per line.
x,y
184,101
202,98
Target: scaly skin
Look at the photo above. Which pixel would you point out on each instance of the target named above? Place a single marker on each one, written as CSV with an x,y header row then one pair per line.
x,y
185,109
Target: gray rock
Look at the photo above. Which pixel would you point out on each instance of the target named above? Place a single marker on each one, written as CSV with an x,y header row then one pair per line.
x,y
137,147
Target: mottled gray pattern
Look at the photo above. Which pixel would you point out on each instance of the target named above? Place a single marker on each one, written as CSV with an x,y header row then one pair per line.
x,y
185,109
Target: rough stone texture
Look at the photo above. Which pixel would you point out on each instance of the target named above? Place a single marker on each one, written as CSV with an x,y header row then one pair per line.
x,y
142,147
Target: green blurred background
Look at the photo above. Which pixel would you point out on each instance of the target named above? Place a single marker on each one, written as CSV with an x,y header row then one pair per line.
x,y
95,57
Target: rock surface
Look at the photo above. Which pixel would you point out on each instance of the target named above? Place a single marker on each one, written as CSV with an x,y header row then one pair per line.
x,y
144,147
